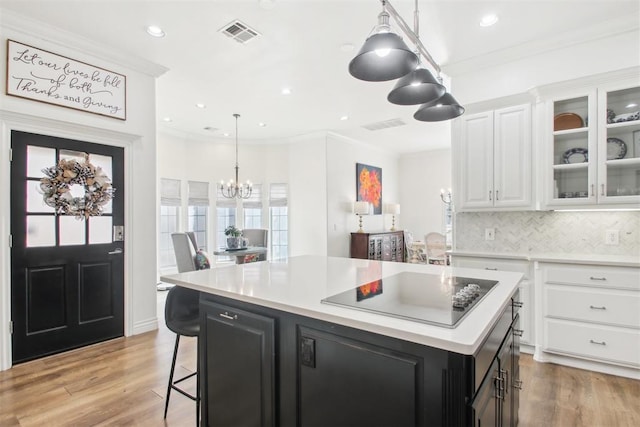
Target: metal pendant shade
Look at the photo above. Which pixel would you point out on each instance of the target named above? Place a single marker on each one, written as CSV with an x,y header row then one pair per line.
x,y
384,56
417,87
444,108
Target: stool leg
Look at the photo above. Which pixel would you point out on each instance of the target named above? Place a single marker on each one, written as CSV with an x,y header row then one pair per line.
x,y
198,370
173,366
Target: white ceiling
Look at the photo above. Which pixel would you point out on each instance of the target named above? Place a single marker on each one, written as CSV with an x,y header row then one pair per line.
x,y
300,48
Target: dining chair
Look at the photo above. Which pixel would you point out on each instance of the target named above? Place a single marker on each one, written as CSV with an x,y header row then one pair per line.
x,y
256,237
415,253
185,248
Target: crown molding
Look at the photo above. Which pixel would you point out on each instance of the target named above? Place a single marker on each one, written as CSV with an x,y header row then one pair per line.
x,y
629,75
613,27
54,35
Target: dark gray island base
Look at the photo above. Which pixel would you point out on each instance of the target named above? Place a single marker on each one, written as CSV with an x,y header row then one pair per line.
x,y
265,367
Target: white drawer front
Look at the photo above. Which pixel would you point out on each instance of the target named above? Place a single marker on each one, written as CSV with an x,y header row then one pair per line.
x,y
601,276
519,266
605,343
613,307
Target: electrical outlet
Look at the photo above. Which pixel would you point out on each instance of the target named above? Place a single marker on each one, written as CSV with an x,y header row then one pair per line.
x,y
489,234
611,237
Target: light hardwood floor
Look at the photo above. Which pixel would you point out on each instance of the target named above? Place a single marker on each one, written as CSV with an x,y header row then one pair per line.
x,y
123,383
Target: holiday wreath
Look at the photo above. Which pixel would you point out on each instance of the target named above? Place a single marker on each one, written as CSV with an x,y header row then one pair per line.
x,y
57,183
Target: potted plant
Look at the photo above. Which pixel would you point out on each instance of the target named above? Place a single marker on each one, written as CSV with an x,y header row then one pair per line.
x,y
233,237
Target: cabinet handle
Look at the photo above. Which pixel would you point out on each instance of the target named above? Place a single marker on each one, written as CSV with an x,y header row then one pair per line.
x,y
593,307
226,315
499,387
490,195
598,278
505,382
518,332
497,195
517,384
598,342
518,304
492,269
602,189
592,190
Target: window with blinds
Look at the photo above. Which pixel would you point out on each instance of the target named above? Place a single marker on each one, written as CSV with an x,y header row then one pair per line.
x,y
198,211
225,216
252,208
279,220
170,199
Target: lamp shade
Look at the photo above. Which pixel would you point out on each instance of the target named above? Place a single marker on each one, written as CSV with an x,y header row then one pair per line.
x,y
383,56
417,87
444,108
392,208
361,208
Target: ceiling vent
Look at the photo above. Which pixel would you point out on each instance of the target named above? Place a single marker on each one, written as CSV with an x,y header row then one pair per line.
x,y
384,125
240,32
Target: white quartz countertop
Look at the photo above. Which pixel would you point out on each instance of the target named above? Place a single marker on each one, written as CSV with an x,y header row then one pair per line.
x,y
298,284
589,259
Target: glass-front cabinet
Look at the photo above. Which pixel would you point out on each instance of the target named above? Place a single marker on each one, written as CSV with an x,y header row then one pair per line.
x,y
594,149
619,150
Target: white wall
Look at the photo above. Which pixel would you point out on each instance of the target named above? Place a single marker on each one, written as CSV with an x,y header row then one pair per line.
x,y
422,176
565,63
342,156
137,135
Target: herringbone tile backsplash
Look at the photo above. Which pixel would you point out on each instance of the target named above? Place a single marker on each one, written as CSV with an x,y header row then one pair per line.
x,y
548,232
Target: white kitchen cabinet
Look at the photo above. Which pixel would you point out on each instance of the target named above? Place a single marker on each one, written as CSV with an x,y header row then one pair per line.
x,y
591,157
591,313
525,287
492,160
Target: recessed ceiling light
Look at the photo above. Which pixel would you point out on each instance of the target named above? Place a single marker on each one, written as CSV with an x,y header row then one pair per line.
x,y
155,31
344,118
200,105
286,91
167,119
267,4
488,20
262,124
226,134
633,104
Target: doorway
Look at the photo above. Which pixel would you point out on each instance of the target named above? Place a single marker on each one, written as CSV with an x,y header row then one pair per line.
x,y
67,274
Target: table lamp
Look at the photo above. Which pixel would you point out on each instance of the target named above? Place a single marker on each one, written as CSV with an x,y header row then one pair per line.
x,y
361,208
392,209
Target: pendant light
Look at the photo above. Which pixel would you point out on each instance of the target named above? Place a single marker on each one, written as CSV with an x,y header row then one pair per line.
x,y
233,189
416,84
417,87
444,108
384,56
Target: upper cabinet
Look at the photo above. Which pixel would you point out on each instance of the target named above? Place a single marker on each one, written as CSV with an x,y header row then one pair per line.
x,y
493,160
592,154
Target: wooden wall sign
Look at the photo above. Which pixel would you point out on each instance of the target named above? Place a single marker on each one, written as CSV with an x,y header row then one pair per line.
x,y
46,77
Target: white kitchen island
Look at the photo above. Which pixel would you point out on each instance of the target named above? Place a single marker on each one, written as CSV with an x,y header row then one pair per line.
x,y
266,335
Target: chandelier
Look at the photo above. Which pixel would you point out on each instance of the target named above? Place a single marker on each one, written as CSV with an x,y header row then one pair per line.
x,y
233,189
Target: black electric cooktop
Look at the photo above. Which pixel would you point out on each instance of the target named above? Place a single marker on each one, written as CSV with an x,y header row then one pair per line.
x,y
427,298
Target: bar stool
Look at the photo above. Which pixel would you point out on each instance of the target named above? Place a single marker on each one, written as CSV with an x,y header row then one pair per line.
x,y
182,316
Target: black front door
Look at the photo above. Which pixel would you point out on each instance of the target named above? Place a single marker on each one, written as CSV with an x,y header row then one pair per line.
x,y
67,274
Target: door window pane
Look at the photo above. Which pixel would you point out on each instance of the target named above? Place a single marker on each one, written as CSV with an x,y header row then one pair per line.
x,y
39,158
41,231
35,203
100,229
72,155
103,162
72,231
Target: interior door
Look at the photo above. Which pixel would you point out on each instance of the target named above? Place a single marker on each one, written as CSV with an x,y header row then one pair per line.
x,y
67,274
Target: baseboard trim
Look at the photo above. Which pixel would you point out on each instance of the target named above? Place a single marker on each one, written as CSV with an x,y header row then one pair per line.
x,y
145,326
589,365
